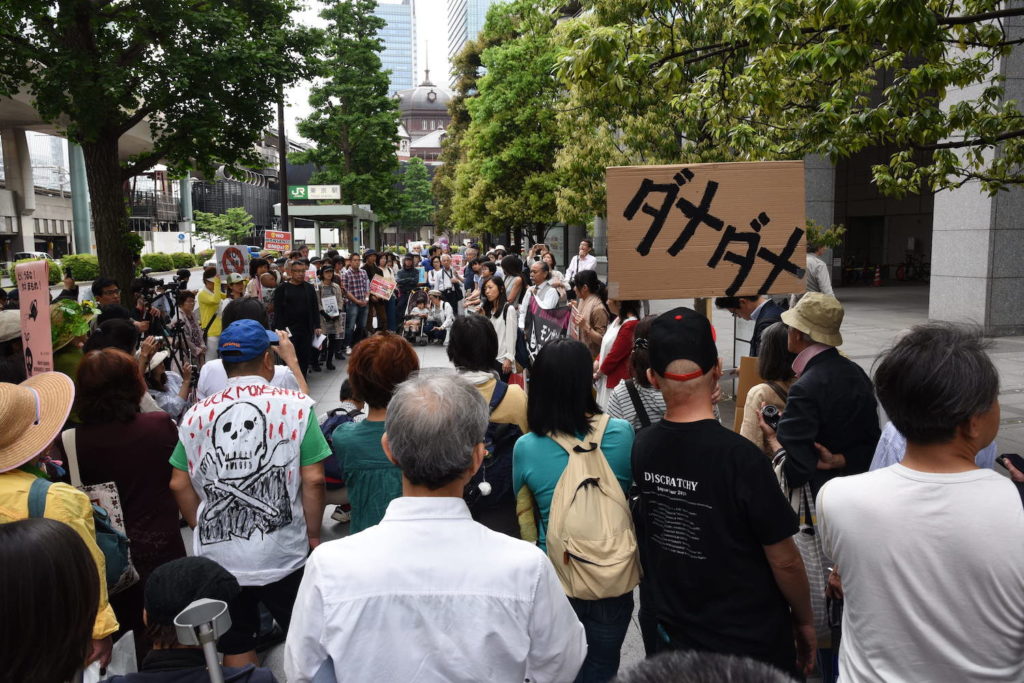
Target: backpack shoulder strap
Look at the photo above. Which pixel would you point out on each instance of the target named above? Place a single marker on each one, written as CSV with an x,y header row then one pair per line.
x,y
778,390
500,389
71,450
37,497
638,405
570,444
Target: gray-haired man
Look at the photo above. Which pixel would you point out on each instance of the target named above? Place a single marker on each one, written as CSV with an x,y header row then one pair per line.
x,y
429,594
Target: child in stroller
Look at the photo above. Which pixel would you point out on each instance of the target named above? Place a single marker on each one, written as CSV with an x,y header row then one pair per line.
x,y
415,316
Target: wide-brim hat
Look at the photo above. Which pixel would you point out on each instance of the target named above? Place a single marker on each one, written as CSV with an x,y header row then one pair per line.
x,y
10,325
818,315
31,416
158,358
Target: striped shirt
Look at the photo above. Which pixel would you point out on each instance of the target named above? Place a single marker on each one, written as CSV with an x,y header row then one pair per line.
x,y
620,404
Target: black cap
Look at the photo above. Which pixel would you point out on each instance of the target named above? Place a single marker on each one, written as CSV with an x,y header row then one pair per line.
x,y
682,334
177,584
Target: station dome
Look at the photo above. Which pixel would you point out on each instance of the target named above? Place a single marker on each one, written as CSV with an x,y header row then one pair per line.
x,y
424,109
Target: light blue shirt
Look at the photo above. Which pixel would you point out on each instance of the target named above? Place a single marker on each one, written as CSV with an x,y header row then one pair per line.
x,y
893,446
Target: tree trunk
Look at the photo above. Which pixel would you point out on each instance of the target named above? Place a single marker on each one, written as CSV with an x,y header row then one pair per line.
x,y
109,213
539,231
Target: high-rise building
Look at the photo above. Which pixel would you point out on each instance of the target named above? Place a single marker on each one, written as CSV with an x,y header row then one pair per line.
x,y
399,38
465,21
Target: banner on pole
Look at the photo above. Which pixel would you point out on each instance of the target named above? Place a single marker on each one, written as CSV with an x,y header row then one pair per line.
x,y
704,230
34,303
543,324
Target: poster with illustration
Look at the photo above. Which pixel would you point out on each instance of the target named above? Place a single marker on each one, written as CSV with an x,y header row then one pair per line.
x,y
34,296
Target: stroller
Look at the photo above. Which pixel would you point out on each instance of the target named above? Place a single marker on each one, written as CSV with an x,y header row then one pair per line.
x,y
412,327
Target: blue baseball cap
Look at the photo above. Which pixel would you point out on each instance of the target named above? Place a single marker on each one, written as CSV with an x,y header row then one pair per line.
x,y
244,340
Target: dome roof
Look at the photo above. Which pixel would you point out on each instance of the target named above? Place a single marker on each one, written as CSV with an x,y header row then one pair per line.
x,y
425,97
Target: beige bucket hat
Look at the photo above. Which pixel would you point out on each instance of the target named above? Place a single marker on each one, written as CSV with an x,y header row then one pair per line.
x,y
819,315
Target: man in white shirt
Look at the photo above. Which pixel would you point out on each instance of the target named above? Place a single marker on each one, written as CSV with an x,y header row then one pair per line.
x,y
547,296
817,278
429,594
929,549
582,261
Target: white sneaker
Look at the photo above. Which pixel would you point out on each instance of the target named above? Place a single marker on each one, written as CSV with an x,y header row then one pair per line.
x,y
340,515
348,350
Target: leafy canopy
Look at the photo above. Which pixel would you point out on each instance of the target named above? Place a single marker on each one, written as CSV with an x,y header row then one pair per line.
x,y
354,123
232,226
417,199
758,79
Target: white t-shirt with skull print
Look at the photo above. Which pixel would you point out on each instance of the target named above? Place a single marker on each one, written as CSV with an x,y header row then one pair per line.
x,y
243,449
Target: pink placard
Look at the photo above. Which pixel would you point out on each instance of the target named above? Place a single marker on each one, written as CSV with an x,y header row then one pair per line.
x,y
381,287
34,294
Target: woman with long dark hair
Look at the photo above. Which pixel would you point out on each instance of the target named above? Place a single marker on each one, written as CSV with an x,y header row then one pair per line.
x,y
512,270
505,320
635,400
49,587
590,313
561,402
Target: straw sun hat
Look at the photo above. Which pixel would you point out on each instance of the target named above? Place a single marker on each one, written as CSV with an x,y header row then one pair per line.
x,y
31,415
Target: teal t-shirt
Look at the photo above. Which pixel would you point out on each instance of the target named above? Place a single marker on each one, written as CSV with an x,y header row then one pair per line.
x,y
372,480
313,449
538,462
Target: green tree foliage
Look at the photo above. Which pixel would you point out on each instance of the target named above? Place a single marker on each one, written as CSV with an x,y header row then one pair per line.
x,y
84,267
159,262
183,259
232,226
506,175
466,70
417,200
354,123
749,79
200,76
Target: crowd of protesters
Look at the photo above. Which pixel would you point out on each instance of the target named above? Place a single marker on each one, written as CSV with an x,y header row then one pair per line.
x,y
503,513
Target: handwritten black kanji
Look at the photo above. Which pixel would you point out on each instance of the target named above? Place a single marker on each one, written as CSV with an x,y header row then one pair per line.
x,y
745,261
697,215
660,214
781,262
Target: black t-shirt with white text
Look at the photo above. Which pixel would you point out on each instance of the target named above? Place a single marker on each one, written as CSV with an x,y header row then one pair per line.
x,y
709,504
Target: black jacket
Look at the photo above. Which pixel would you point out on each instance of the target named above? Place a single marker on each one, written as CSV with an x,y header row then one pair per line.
x,y
296,307
769,315
408,279
832,403
188,666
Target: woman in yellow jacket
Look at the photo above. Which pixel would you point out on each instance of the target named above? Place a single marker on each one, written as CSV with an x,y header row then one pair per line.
x,y
31,416
210,300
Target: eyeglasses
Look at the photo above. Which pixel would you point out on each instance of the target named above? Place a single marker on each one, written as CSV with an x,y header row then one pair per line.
x,y
111,292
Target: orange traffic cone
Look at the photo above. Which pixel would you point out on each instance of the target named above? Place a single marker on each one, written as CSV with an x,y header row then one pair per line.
x,y
878,277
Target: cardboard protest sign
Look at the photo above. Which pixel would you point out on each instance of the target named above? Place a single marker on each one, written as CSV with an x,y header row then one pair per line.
x,y
277,240
232,259
705,230
34,303
542,325
457,261
381,287
748,379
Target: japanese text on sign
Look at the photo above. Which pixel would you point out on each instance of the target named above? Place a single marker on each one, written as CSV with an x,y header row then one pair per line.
x,y
672,230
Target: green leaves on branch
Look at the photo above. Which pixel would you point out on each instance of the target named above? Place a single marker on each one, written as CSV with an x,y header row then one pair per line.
x,y
232,227
354,124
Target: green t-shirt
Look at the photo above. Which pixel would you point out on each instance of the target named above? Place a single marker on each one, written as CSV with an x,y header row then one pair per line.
x,y
373,481
313,449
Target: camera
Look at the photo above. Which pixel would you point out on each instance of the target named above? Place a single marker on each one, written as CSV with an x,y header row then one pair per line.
x,y
771,416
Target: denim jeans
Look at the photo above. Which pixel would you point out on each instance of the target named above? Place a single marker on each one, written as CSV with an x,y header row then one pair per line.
x,y
605,623
355,319
393,321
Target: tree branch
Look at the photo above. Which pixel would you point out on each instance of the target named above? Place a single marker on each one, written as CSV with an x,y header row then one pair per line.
x,y
976,18
135,118
141,164
1009,135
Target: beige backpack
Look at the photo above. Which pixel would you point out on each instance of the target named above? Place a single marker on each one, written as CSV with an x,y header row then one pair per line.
x,y
590,535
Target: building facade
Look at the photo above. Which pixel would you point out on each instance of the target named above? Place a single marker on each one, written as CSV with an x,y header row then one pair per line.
x,y
465,21
424,109
399,38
